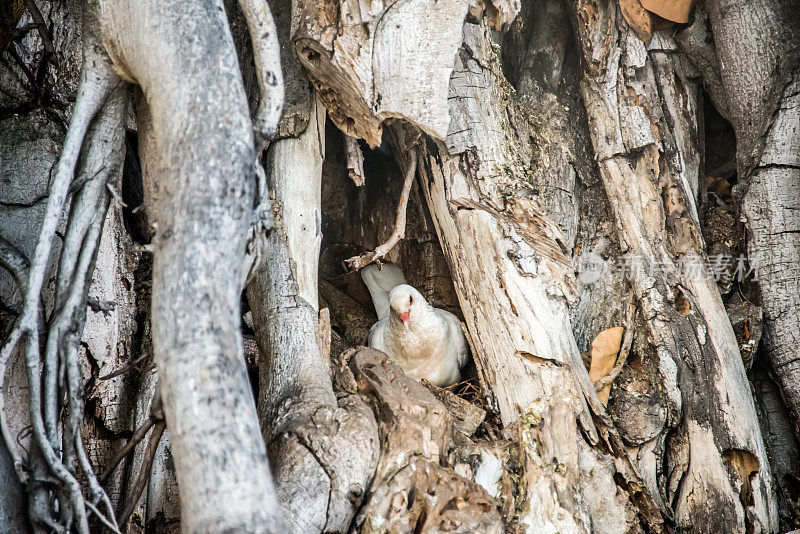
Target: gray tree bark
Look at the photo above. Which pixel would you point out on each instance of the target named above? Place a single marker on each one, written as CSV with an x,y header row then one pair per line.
x,y
202,220
197,348
645,162
761,94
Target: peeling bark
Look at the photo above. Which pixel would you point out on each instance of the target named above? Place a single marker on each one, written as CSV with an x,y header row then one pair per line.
x,y
412,490
644,142
510,265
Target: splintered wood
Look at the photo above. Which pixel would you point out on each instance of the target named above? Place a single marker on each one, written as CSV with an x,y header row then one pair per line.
x,y
412,490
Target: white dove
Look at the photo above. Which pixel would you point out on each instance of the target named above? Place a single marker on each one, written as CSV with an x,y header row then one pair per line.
x,y
426,342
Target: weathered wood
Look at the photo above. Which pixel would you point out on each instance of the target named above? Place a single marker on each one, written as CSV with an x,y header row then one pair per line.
x,y
322,451
466,417
781,442
643,149
201,219
514,280
411,489
760,74
361,56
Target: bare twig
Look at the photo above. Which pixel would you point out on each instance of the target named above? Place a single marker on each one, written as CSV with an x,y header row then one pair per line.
x,y
155,416
125,368
25,70
22,31
357,263
144,472
112,526
266,56
41,27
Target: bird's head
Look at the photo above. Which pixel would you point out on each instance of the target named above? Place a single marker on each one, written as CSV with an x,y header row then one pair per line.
x,y
405,302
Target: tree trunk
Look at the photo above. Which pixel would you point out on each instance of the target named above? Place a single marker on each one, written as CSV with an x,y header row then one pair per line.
x,y
323,452
561,192
201,219
761,81
644,149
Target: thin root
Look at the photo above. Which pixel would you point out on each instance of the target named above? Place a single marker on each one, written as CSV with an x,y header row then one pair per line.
x,y
155,416
144,472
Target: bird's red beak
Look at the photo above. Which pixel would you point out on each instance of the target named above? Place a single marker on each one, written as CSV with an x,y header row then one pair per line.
x,y
405,316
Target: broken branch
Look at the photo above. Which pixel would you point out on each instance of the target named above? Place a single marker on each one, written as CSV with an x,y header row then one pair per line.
x,y
41,27
356,263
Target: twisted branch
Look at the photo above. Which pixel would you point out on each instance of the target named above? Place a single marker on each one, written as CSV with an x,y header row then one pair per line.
x,y
357,263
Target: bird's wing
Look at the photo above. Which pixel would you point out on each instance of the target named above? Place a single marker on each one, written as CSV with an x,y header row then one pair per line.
x,y
376,334
380,283
457,339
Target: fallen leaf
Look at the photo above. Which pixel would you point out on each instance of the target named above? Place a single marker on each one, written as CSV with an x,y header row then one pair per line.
x,y
682,304
720,186
638,18
674,10
746,466
605,349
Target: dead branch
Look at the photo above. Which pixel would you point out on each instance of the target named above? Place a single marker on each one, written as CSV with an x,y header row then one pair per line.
x,y
125,368
266,56
112,526
41,27
28,74
357,263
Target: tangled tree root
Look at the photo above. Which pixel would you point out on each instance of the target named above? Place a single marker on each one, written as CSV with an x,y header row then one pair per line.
x,y
57,501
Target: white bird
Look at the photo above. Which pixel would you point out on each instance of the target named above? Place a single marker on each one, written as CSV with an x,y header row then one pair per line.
x,y
380,282
426,342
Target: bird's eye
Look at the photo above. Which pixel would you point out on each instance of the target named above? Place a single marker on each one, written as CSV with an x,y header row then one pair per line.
x,y
411,299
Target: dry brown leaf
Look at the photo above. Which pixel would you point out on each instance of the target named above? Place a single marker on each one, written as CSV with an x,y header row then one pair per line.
x,y
638,18
720,186
682,304
673,10
746,465
660,23
605,349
